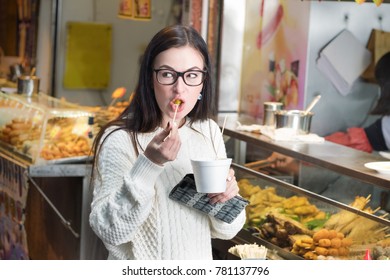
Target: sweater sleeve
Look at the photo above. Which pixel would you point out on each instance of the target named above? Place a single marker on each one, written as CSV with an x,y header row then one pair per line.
x,y
222,230
123,190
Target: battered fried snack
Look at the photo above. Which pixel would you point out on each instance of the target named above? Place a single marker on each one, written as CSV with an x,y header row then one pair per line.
x,y
246,188
332,234
336,242
310,255
306,243
333,252
321,234
324,242
346,242
295,201
321,251
306,210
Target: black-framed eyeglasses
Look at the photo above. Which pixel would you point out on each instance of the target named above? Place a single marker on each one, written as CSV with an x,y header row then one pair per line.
x,y
190,77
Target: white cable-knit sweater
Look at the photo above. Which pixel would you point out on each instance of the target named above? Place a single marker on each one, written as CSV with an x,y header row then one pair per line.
x,y
131,211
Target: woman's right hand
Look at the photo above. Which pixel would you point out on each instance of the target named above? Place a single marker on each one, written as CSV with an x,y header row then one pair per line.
x,y
164,146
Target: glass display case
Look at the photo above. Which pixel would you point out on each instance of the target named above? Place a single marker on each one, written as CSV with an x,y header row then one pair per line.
x,y
294,223
41,129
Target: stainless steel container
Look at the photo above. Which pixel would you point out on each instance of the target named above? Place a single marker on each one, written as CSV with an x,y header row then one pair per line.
x,y
28,85
16,71
269,112
296,119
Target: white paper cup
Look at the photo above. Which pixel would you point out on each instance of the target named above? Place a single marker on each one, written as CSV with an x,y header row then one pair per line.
x,y
210,175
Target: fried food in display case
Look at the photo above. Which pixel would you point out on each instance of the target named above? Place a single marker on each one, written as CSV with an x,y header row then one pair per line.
x,y
309,225
105,114
40,129
108,113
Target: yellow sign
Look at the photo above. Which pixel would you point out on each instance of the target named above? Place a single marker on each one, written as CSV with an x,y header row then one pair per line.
x,y
88,55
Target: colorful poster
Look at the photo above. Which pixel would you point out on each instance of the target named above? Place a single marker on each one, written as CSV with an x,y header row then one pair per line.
x,y
274,55
135,9
13,196
126,9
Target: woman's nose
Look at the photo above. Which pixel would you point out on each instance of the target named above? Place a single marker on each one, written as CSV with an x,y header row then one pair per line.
x,y
180,85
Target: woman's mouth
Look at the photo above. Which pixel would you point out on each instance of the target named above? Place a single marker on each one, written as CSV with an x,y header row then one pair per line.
x,y
177,102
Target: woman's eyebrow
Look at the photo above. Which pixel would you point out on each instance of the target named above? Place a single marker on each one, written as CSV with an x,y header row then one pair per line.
x,y
171,68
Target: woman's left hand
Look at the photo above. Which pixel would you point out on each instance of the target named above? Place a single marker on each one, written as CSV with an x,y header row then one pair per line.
x,y
231,190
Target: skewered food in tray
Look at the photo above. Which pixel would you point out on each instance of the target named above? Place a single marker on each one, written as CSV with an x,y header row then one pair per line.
x,y
299,226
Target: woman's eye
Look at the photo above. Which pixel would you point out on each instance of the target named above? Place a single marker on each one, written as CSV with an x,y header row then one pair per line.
x,y
167,74
192,75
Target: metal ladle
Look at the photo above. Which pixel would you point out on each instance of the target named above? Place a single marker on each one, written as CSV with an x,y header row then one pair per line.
x,y
312,104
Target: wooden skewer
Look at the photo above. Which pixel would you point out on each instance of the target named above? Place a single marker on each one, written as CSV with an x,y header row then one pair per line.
x,y
384,215
376,210
224,124
381,229
174,116
112,102
260,163
173,121
219,142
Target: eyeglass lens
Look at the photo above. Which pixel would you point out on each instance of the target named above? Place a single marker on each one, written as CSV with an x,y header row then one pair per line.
x,y
190,77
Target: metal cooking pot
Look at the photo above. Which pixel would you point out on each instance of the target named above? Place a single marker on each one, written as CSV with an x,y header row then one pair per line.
x,y
296,119
28,85
269,112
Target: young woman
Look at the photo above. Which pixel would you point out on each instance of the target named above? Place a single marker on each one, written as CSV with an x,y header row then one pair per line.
x,y
143,154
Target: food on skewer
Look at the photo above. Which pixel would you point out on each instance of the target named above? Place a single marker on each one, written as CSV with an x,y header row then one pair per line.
x,y
177,102
118,93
